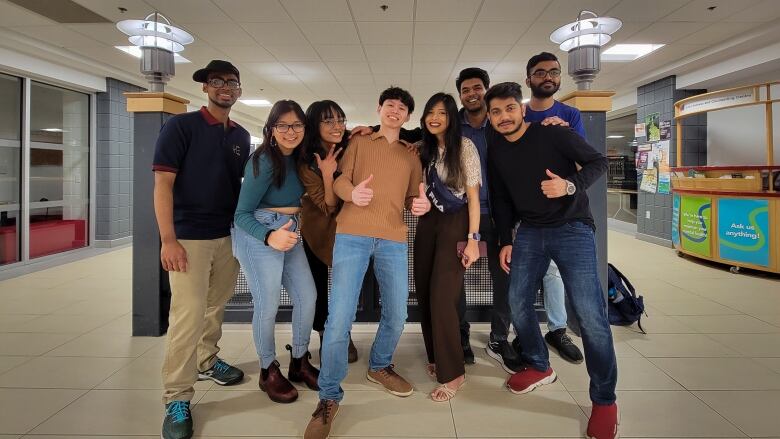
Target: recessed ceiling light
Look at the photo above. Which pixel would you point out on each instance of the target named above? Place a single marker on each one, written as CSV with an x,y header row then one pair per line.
x,y
525,101
628,52
255,102
52,130
615,136
136,52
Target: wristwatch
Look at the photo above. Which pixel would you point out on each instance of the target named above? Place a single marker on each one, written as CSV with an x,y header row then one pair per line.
x,y
570,188
474,236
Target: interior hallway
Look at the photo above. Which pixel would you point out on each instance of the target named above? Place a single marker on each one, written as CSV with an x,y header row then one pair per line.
x,y
709,366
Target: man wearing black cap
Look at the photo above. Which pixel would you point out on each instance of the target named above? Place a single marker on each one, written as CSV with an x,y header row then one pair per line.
x,y
198,163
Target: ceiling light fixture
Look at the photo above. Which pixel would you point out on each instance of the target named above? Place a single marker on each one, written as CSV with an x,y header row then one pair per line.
x,y
158,41
137,52
615,136
628,52
255,102
583,40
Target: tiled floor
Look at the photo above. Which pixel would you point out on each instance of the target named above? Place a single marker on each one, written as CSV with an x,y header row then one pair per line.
x,y
709,367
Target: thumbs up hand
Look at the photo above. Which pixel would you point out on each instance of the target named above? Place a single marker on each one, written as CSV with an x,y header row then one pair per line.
x,y
283,239
420,204
555,187
362,194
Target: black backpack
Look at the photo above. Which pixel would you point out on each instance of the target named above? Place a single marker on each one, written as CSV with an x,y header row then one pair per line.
x,y
626,307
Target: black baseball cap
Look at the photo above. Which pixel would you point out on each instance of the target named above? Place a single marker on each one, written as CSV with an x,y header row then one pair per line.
x,y
216,65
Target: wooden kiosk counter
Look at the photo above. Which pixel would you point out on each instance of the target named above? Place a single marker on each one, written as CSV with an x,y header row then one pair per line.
x,y
728,214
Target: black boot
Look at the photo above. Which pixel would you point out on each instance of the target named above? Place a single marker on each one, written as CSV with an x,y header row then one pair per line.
x,y
301,370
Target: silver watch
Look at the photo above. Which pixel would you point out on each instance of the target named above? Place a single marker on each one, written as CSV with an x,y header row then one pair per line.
x,y
570,188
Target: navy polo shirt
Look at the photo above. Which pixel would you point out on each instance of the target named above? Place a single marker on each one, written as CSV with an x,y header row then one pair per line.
x,y
208,161
478,137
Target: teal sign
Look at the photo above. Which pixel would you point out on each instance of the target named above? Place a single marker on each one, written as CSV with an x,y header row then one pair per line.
x,y
676,220
743,230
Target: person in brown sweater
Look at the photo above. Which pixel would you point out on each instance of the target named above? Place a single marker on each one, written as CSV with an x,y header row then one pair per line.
x,y
322,150
379,178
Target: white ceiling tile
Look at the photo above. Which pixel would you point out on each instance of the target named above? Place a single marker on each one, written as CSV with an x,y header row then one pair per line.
x,y
136,9
253,53
511,10
515,68
447,10
302,52
644,11
436,52
274,34
521,53
697,10
317,10
665,32
334,32
391,32
627,30
369,10
441,69
566,11
440,33
384,81
390,67
105,33
218,35
718,32
266,70
341,52
494,32
58,35
201,52
340,68
249,11
483,52
539,34
196,11
347,79
309,70
393,52
486,65
767,10
361,92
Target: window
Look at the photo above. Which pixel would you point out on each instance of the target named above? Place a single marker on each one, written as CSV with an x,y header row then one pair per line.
x,y
10,168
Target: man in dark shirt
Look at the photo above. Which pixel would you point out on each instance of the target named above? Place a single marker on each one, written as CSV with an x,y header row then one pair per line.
x,y
198,163
533,176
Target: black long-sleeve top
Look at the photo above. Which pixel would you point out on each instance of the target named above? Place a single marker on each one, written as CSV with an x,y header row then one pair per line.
x,y
516,171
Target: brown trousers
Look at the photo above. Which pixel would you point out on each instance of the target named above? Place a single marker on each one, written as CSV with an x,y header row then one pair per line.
x,y
195,319
438,278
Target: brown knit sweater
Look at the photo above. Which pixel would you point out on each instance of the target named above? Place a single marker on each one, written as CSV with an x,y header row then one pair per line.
x,y
397,176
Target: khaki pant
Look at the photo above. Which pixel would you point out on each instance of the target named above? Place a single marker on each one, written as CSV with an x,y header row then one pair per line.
x,y
197,308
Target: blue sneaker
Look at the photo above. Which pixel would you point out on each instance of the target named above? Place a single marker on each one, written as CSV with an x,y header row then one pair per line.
x,y
222,374
178,421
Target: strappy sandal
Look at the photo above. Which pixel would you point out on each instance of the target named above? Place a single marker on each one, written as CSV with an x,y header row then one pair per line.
x,y
430,368
449,393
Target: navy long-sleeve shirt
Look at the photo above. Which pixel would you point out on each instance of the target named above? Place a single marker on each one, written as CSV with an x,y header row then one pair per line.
x,y
516,171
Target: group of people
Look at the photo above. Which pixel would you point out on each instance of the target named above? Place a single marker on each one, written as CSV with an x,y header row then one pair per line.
x,y
498,179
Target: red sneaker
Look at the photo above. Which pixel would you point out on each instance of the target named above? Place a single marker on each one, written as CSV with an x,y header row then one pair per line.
x,y
528,379
603,423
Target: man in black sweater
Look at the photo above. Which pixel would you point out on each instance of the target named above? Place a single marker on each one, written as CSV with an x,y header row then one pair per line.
x,y
533,179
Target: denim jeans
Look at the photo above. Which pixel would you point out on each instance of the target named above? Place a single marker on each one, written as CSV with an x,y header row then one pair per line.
x,y
573,248
267,270
351,255
554,298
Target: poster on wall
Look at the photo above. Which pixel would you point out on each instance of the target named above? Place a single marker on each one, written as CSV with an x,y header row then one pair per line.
x,y
649,180
653,126
676,220
743,226
666,129
639,130
664,171
641,165
696,224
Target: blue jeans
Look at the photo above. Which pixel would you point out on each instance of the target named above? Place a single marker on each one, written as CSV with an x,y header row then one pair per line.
x,y
266,271
350,261
573,248
554,298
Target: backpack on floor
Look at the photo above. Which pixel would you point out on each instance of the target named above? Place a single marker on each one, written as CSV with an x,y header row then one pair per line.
x,y
624,306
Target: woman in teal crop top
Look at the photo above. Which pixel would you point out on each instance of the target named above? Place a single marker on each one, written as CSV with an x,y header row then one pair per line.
x,y
267,244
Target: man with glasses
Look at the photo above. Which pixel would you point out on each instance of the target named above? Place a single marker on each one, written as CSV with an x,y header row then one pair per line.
x,y
544,79
198,164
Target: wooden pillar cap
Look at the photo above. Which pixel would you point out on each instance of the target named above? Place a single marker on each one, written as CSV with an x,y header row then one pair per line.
x,y
145,102
589,100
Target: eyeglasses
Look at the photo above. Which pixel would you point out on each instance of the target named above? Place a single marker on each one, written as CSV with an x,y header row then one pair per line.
x,y
541,74
284,127
219,83
332,123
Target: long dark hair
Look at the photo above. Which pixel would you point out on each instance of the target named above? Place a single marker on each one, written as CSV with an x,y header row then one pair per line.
x,y
312,142
453,143
269,145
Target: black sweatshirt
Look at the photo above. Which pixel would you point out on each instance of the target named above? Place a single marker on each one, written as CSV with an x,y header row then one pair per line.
x,y
516,171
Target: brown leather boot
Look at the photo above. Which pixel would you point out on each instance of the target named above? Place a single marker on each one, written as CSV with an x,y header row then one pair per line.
x,y
301,370
278,388
352,355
